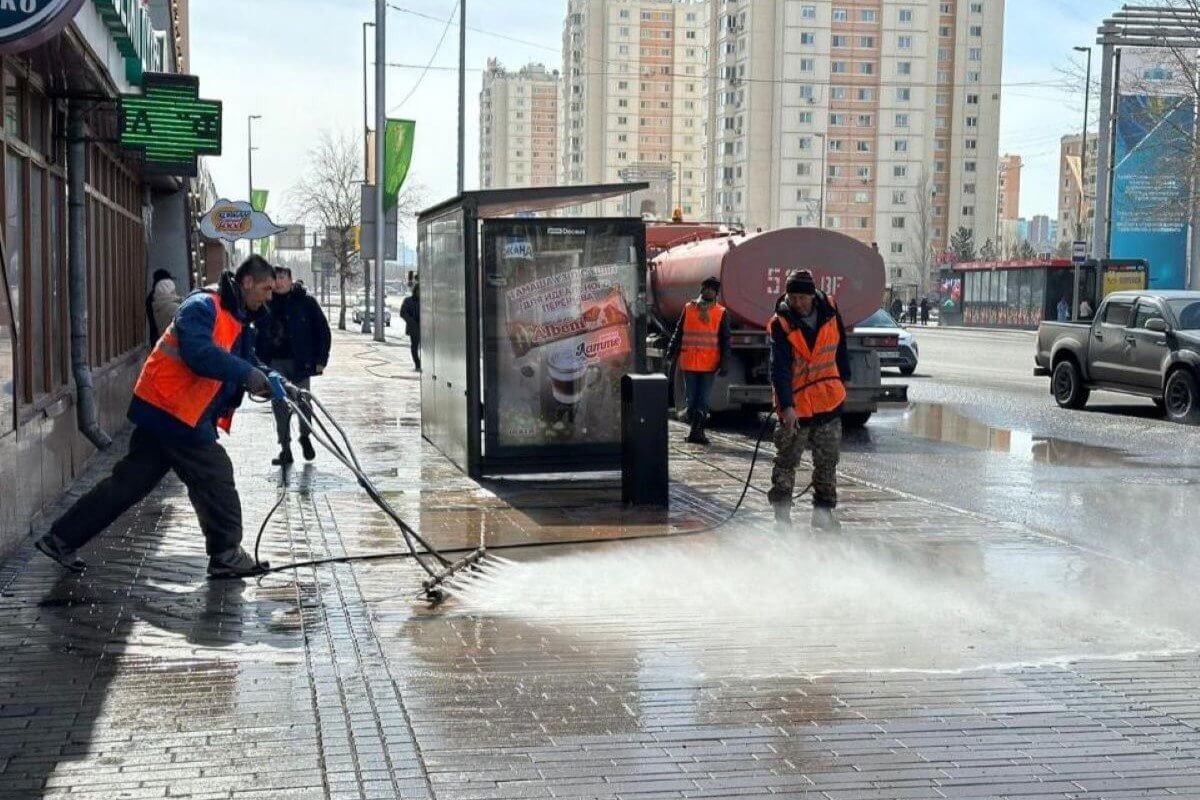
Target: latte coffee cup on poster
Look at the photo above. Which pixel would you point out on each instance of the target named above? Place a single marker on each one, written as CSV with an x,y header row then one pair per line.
x,y
568,372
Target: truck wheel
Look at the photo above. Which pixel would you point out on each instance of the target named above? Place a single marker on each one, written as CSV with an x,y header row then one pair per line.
x,y
1067,385
1182,397
908,370
855,420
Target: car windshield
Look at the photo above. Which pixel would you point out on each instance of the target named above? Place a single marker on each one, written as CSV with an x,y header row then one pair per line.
x,y
880,319
1187,311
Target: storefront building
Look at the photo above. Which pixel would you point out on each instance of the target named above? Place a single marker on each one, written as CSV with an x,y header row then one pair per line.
x,y
78,215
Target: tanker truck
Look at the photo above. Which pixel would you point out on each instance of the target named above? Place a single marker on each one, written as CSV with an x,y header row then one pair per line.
x,y
752,269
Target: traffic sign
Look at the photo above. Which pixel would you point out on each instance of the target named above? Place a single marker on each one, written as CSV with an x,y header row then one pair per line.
x,y
1079,252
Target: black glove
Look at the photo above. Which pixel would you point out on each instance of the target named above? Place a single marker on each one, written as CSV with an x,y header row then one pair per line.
x,y
257,383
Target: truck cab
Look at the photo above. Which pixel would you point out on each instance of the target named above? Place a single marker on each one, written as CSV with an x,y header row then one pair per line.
x,y
1144,343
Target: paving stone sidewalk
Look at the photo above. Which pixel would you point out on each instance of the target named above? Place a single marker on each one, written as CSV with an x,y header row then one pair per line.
x,y
922,653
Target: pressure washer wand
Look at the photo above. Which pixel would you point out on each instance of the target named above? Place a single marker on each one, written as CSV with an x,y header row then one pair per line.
x,y
349,459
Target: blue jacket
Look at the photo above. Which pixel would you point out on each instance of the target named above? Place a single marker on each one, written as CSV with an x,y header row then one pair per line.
x,y
194,326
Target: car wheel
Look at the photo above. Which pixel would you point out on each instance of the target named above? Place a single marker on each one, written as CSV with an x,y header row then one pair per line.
x,y
856,419
908,369
1067,385
1182,397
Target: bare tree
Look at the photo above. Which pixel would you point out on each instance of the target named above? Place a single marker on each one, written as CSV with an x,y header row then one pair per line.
x,y
329,196
923,242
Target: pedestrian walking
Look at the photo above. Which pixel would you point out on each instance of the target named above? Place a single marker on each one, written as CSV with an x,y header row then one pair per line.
x,y
188,389
294,340
699,347
912,311
898,309
161,304
410,312
810,366
924,310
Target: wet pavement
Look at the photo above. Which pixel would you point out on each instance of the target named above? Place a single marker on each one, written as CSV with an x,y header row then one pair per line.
x,y
927,651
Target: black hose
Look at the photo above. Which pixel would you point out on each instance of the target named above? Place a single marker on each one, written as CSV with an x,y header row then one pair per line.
x,y
350,460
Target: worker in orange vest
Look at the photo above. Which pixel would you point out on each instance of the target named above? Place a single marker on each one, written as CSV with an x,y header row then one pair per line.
x,y
189,387
810,366
699,348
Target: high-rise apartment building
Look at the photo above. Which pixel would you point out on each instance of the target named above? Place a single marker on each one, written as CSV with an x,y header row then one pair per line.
x,y
1008,189
1074,188
880,115
1041,233
634,96
518,127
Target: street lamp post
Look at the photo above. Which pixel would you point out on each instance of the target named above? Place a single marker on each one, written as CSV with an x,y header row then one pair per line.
x,y
678,167
250,148
380,158
462,94
366,320
1087,94
821,200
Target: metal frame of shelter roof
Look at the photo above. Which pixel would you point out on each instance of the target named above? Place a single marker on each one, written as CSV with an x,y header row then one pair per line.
x,y
1132,26
490,203
448,258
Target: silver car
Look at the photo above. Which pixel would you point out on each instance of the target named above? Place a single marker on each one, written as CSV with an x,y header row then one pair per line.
x,y
881,324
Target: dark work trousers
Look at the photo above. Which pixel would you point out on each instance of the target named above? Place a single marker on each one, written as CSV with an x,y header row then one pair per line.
x,y
699,386
414,344
204,468
283,412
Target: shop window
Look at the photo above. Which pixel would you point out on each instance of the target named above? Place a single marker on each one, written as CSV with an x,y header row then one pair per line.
x,y
14,107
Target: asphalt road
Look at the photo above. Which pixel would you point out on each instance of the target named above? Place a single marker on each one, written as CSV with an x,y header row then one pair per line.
x,y
983,434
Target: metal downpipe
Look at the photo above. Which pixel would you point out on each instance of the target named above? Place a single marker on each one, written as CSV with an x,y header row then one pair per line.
x,y
87,413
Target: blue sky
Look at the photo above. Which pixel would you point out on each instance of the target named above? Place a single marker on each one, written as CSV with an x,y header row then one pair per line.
x,y
298,63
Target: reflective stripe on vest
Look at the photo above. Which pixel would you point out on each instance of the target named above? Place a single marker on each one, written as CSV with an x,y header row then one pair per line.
x,y
701,349
168,384
817,386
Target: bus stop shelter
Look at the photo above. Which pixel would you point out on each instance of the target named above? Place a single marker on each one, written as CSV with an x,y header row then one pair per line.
x,y
528,323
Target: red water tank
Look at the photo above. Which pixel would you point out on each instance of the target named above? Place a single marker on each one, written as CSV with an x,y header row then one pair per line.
x,y
753,268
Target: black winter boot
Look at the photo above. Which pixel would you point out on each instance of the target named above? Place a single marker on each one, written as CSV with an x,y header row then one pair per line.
x,y
284,458
783,515
696,436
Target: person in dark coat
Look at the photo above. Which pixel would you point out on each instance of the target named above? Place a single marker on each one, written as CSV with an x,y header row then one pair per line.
x,y
898,309
912,311
410,312
924,310
295,341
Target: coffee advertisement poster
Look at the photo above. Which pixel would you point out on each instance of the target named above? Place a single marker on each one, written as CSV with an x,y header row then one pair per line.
x,y
562,334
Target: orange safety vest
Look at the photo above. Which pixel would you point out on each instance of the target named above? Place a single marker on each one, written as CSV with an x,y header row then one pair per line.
x,y
817,386
168,384
701,348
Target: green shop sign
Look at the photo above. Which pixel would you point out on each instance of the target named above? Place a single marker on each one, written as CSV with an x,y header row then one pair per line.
x,y
142,46
170,124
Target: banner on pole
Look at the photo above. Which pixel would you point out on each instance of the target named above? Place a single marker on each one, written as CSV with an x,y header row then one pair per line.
x,y
258,199
398,150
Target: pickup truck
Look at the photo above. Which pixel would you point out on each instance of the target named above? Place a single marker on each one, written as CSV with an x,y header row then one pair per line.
x,y
1145,343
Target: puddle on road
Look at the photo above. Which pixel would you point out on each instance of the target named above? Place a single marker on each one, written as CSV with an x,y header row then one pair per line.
x,y
941,423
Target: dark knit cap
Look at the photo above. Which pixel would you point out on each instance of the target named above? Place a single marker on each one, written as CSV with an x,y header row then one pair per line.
x,y
710,281
801,282
160,275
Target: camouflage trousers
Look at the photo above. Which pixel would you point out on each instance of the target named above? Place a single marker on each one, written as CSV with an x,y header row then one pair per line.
x,y
825,442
